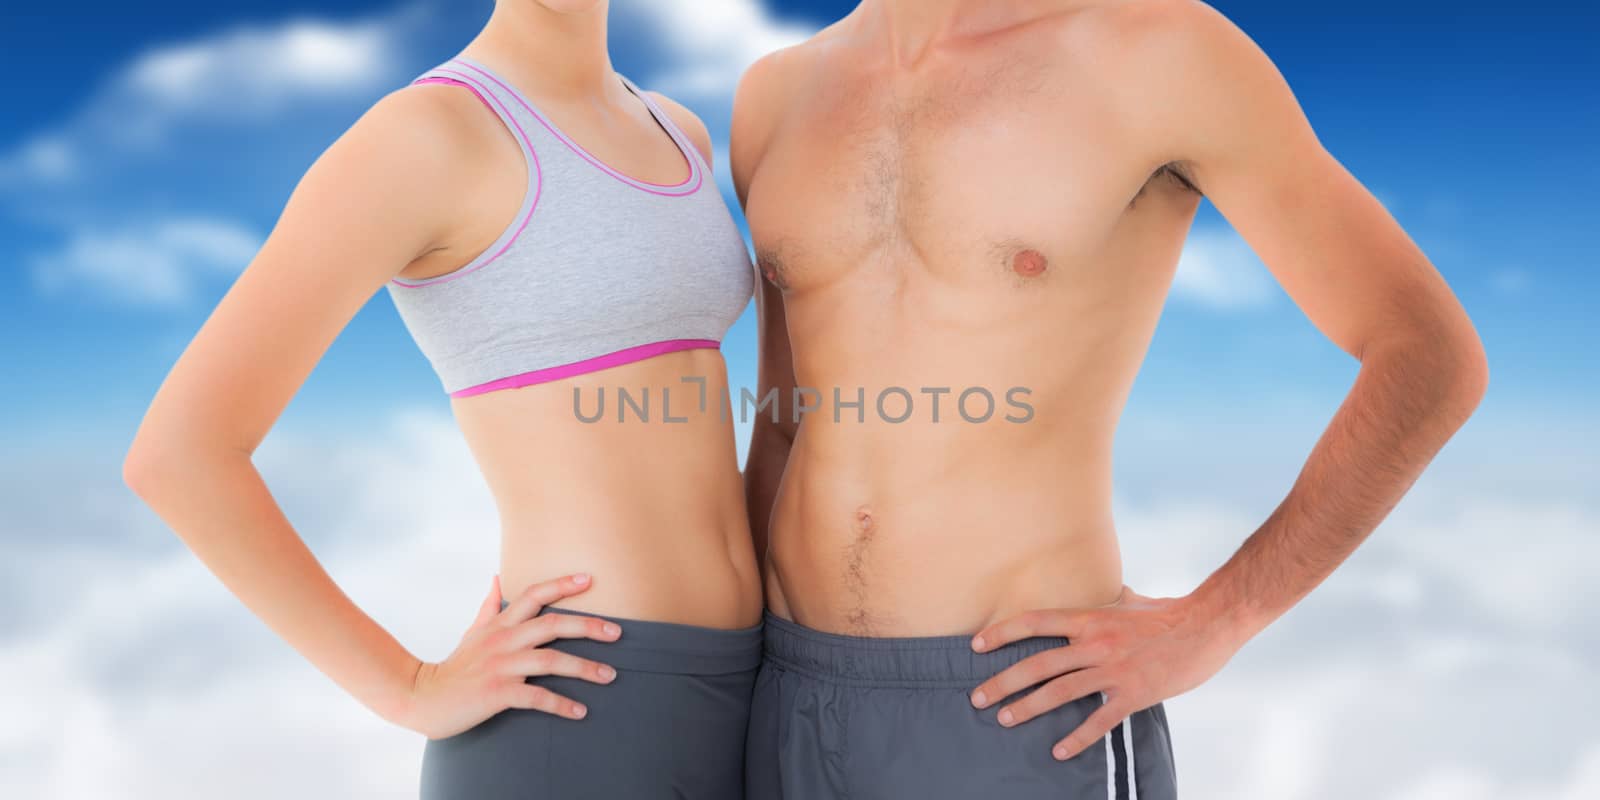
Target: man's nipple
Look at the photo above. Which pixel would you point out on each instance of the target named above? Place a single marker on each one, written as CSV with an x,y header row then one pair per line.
x,y
1029,263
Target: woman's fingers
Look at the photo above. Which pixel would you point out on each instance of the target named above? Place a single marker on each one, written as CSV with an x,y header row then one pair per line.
x,y
540,595
547,628
522,629
538,698
547,661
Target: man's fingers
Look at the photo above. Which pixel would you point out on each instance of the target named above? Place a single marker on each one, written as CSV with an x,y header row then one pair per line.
x,y
542,594
1044,622
547,628
1054,694
1032,670
545,661
1097,725
538,698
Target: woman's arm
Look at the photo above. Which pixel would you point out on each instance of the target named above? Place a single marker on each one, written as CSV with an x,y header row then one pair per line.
x,y
387,192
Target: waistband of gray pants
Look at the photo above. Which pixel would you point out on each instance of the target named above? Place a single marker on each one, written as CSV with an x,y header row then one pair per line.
x,y
910,662
666,647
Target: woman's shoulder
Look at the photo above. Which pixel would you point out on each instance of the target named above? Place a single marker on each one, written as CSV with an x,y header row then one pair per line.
x,y
407,165
430,119
429,136
687,121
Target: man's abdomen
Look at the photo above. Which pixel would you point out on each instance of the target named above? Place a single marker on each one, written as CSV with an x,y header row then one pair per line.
x,y
925,531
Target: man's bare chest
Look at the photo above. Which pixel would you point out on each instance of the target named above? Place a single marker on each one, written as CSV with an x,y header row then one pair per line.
x,y
958,179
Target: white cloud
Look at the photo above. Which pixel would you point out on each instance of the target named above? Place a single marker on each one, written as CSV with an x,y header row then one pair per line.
x,y
260,68
1422,669
244,73
45,158
714,41
149,680
1219,270
1450,656
1542,556
147,106
1470,782
160,264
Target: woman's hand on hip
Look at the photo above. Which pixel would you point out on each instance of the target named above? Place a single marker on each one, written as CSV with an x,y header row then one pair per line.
x,y
487,672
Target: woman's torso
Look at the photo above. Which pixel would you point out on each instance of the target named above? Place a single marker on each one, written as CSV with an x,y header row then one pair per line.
x,y
654,510
579,348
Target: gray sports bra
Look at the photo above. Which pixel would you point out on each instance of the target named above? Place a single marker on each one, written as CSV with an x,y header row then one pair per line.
x,y
597,269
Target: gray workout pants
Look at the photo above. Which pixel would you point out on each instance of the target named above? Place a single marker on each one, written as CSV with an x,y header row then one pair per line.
x,y
862,718
672,725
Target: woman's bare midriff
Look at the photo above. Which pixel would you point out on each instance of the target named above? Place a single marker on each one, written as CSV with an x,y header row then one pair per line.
x,y
649,503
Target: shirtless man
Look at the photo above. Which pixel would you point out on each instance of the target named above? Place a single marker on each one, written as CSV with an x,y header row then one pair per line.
x,y
952,195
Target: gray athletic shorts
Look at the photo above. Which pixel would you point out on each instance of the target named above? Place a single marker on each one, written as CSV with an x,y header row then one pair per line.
x,y
890,719
671,725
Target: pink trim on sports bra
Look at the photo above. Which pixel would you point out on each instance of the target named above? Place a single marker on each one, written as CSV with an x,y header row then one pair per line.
x,y
681,189
595,364
530,194
453,82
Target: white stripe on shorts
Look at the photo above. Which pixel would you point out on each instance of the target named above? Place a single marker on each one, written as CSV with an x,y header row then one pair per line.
x,y
1111,762
1111,771
1127,741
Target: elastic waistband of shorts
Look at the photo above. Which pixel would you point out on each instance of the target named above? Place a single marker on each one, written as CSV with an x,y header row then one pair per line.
x,y
667,647
915,661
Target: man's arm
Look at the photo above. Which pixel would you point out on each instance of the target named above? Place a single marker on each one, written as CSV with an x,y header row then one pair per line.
x,y
1223,109
770,440
1361,281
755,109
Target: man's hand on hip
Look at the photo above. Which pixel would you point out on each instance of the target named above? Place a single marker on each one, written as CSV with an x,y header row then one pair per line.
x,y
1138,651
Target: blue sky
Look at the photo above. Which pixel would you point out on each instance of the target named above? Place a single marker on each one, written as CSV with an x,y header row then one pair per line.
x,y
1470,123
150,147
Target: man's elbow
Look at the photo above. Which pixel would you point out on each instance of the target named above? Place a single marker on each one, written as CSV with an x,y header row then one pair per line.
x,y
1437,348
1452,364
1463,363
1470,374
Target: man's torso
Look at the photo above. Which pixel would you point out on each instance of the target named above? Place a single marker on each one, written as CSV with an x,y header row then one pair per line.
x,y
981,225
